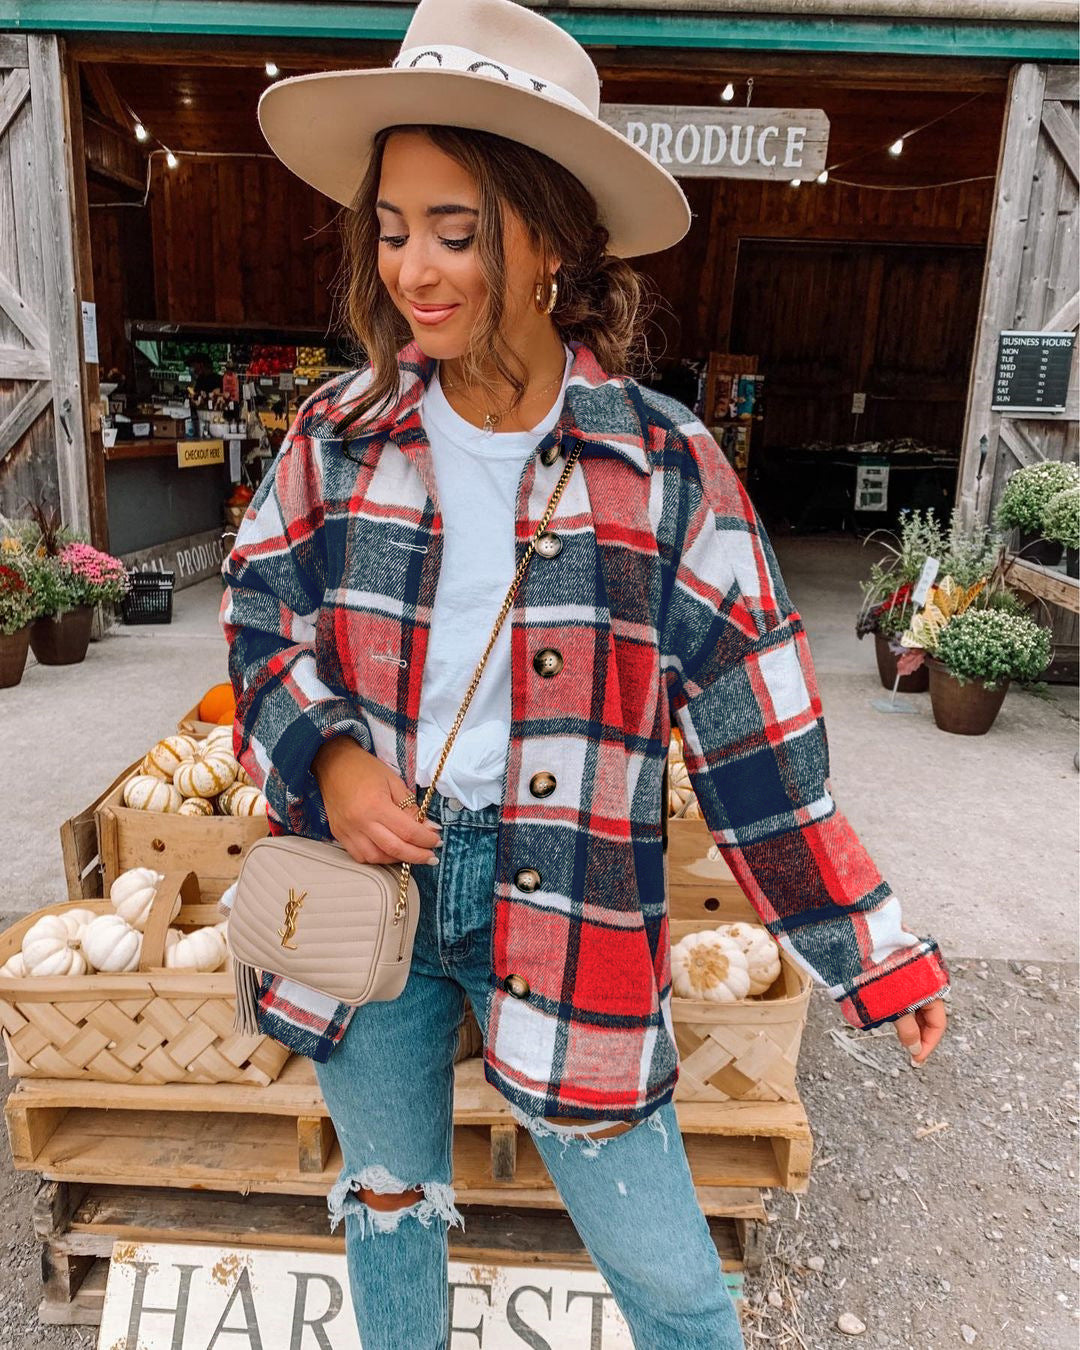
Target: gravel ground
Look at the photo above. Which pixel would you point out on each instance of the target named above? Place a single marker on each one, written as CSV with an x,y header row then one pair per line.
x,y
941,1209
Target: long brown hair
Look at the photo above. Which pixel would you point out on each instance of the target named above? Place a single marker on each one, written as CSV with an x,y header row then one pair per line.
x,y
602,301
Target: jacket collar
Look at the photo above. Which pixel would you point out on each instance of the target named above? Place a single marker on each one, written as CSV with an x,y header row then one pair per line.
x,y
606,413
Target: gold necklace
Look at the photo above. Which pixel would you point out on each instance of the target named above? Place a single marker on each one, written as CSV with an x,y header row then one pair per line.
x,y
492,419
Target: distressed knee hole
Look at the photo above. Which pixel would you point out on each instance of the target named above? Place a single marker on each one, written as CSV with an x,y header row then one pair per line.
x,y
378,1202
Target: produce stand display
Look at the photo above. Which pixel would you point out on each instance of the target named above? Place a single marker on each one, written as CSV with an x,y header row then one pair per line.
x,y
251,1162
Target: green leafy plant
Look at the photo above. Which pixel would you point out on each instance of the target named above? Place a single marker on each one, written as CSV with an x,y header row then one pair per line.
x,y
1028,492
17,603
1061,519
992,645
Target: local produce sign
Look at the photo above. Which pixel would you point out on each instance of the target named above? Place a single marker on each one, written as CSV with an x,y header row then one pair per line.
x,y
159,1297
689,142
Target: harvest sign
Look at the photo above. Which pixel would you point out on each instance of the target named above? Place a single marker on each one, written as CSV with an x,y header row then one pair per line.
x,y
192,1297
689,142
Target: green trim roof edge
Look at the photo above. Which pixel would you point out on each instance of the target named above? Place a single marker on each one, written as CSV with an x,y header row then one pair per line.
x,y
387,22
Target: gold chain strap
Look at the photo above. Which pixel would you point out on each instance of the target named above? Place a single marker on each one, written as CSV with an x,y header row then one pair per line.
x,y
421,810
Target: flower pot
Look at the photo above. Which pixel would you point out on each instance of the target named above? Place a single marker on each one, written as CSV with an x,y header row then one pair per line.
x,y
965,708
63,639
13,649
1033,548
916,683
1072,562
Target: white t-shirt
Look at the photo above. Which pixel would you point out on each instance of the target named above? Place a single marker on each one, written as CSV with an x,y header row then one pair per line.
x,y
477,474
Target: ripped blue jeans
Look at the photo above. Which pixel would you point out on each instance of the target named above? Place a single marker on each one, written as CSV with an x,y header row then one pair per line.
x,y
389,1089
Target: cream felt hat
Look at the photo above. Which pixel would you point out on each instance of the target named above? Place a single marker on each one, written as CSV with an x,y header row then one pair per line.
x,y
491,65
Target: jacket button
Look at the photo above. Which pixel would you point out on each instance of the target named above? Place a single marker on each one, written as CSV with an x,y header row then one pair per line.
x,y
542,784
548,662
549,455
517,986
528,879
548,545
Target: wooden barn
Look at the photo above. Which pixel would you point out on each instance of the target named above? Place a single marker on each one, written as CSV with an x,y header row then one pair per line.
x,y
837,324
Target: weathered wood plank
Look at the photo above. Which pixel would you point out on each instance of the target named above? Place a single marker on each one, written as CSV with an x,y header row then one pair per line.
x,y
20,363
1053,587
18,310
12,50
23,416
1063,83
52,167
1058,125
13,94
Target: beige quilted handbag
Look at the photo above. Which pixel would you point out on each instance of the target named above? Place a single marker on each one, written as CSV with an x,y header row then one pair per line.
x,y
308,911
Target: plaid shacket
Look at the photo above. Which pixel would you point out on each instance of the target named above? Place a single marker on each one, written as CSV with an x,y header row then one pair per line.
x,y
666,604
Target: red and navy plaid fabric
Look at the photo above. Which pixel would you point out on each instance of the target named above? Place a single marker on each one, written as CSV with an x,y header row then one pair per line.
x,y
667,605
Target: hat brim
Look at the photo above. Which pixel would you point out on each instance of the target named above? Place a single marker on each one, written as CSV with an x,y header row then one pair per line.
x,y
322,127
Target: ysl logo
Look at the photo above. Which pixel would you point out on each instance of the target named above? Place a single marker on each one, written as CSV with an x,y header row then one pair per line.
x,y
292,913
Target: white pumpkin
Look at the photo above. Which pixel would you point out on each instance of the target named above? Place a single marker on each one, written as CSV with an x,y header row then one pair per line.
x,y
14,967
680,789
242,800
50,947
161,762
207,773
111,944
196,806
77,919
132,894
220,738
143,792
761,952
711,966
202,949
244,778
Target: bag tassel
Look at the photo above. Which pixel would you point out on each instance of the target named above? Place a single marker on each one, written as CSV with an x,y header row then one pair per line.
x,y
246,983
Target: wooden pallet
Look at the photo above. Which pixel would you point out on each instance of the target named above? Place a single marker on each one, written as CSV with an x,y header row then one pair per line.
x,y
279,1139
77,1225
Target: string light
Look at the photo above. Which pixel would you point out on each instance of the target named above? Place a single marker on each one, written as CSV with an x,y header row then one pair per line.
x,y
729,92
796,182
897,147
272,70
141,133
170,159
823,176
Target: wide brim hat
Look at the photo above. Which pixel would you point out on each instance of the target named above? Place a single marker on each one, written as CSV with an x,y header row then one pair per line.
x,y
489,65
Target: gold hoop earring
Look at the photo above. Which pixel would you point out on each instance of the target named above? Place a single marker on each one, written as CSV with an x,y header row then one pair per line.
x,y
538,296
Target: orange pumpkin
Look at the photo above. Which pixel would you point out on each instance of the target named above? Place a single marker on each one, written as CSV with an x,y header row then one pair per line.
x,y
216,702
227,719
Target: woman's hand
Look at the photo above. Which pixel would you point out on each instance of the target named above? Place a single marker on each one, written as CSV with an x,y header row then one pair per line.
x,y
361,796
921,1030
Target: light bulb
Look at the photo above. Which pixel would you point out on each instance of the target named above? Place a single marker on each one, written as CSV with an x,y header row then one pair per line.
x,y
729,93
272,70
823,176
171,160
897,147
141,133
796,182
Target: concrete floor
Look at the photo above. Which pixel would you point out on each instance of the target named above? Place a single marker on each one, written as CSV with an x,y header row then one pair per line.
x,y
978,836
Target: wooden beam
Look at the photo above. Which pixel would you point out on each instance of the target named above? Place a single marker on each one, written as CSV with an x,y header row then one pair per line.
x,y
23,363
1067,318
109,102
13,95
112,155
22,316
1016,166
1059,127
1016,440
1049,585
53,174
23,416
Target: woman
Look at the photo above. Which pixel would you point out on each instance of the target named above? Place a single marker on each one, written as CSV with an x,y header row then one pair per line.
x,y
487,286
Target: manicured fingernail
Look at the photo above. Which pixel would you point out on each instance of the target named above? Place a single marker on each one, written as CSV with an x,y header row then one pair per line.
x,y
916,1063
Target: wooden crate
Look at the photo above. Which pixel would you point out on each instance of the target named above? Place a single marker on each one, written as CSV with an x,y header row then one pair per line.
x,y
695,879
83,868
77,1225
192,725
278,1139
210,846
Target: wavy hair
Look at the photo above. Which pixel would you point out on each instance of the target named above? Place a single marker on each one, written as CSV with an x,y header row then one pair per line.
x,y
602,302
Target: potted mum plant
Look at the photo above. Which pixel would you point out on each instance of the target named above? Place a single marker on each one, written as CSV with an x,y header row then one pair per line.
x,y
69,578
979,653
17,612
1061,523
1026,496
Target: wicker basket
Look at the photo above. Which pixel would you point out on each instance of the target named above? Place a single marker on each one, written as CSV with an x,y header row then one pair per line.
x,y
147,1026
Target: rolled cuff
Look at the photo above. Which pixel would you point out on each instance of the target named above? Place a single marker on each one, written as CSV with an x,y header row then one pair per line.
x,y
906,984
305,812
